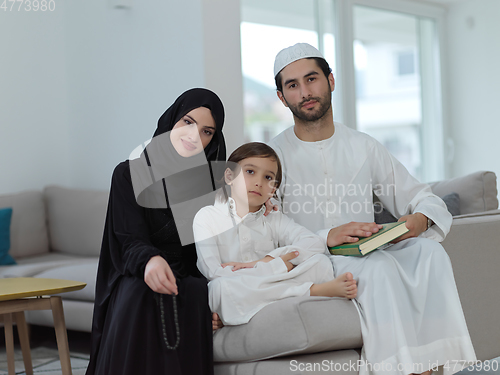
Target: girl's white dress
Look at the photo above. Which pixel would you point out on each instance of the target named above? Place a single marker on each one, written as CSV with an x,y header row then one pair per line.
x,y
222,236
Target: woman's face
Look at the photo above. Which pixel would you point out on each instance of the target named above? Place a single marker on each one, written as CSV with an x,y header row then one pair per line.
x,y
193,132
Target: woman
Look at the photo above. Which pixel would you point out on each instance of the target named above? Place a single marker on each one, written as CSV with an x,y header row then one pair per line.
x,y
151,313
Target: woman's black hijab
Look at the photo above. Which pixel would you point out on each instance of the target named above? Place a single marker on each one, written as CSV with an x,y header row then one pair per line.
x,y
164,179
115,263
160,160
192,99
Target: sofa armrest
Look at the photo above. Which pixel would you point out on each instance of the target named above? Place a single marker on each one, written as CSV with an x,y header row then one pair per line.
x,y
474,250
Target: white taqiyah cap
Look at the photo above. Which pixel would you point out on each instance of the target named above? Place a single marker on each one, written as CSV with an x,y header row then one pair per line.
x,y
291,54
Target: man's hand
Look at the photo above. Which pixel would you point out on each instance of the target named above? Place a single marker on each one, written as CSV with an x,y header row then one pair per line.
x,y
416,223
270,207
216,322
159,277
288,257
351,232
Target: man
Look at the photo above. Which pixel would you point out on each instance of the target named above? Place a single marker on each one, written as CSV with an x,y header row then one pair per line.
x,y
408,303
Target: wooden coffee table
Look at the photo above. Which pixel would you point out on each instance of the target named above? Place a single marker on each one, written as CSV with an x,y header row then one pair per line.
x,y
20,294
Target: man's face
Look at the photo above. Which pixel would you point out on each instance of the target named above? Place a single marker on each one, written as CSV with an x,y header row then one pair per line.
x,y
306,90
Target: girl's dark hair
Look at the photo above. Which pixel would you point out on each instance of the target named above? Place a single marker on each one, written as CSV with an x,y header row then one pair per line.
x,y
252,150
322,64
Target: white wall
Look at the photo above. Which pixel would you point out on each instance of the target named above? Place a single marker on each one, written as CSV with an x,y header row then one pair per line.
x,y
221,45
88,82
473,57
34,147
126,67
82,86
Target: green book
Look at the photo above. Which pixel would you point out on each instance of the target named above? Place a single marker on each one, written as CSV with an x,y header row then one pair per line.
x,y
366,245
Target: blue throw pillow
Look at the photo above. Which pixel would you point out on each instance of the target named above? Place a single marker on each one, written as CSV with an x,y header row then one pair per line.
x,y
5,216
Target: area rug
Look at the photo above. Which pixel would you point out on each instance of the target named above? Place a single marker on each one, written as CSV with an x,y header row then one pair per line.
x,y
45,361
491,367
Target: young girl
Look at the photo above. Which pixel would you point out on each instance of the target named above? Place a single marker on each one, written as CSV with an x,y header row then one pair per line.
x,y
253,260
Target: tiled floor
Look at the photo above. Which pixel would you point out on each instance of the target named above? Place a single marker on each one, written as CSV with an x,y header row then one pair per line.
x,y
44,353
45,361
485,368
46,337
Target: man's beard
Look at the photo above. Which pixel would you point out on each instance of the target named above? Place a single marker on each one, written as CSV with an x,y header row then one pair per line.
x,y
325,103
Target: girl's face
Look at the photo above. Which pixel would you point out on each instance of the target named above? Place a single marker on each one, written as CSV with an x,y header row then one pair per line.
x,y
193,132
255,183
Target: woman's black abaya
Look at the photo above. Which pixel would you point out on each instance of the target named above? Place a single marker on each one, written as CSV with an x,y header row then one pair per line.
x,y
130,334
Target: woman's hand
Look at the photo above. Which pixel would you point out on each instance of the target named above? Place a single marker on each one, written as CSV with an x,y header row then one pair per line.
x,y
216,322
270,207
159,277
351,232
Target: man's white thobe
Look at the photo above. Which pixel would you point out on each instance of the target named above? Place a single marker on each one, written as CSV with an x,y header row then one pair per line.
x,y
410,312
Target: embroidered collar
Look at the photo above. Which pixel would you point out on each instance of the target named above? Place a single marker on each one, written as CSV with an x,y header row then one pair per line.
x,y
229,208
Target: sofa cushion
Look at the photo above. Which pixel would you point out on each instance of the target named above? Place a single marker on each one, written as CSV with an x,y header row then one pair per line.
x,y
76,219
84,271
337,362
28,230
5,218
383,216
31,266
291,326
477,191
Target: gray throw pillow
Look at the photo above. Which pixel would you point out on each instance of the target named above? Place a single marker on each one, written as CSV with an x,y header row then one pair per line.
x,y
477,191
383,216
451,200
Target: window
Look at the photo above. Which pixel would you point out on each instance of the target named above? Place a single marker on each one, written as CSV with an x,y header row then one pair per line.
x,y
266,28
406,63
385,61
388,106
390,86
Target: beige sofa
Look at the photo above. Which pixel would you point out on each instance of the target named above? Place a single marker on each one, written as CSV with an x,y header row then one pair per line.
x,y
56,233
317,335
